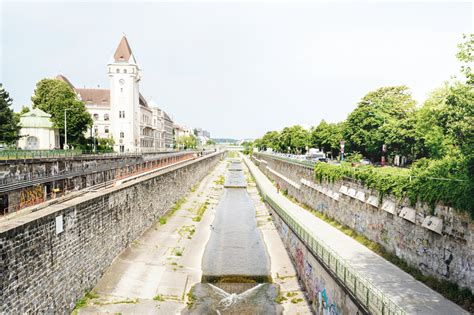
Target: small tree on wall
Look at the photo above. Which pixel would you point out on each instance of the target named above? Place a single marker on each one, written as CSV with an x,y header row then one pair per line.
x,y
9,127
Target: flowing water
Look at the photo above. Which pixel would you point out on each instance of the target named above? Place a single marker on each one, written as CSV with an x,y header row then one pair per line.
x,y
236,275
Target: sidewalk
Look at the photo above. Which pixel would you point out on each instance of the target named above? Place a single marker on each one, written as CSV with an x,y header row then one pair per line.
x,y
411,295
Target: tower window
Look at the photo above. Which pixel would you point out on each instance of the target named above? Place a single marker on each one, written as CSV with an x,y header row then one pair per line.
x,y
96,116
124,70
122,134
106,116
121,90
106,129
118,70
121,114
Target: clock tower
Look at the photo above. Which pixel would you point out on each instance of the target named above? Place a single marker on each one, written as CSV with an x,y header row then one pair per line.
x,y
124,76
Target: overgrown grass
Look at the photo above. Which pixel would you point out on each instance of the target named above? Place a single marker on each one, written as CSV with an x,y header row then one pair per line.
x,y
280,298
89,295
220,180
200,211
159,298
164,218
451,290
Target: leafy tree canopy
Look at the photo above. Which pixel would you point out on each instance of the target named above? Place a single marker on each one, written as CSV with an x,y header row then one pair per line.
x,y
9,128
54,97
379,118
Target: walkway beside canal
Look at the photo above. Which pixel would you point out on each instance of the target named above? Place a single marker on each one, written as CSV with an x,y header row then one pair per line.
x,y
411,295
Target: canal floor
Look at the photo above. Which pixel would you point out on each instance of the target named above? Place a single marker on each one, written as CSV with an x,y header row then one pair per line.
x,y
155,274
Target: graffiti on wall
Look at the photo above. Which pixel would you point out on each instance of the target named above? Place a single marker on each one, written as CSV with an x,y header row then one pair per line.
x,y
31,196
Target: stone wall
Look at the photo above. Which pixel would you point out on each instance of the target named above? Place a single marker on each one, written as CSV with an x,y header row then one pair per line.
x,y
46,269
444,248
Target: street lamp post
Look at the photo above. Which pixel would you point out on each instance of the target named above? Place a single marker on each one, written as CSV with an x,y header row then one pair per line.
x,y
65,147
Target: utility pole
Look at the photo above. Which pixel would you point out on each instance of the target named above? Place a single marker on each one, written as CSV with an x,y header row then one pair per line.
x,y
65,147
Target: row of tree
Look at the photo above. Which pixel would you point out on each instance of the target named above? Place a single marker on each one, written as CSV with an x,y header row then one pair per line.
x,y
389,117
55,98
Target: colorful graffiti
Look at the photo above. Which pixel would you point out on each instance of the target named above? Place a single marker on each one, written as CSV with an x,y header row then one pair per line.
x,y
31,196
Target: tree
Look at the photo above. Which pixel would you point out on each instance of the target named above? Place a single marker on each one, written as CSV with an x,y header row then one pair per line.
x,y
54,97
379,119
9,127
269,140
327,137
293,139
466,56
105,144
24,110
446,121
187,142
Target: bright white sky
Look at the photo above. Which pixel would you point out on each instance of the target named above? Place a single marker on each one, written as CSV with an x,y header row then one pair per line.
x,y
238,69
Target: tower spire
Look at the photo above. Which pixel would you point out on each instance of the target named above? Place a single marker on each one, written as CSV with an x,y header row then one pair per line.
x,y
123,51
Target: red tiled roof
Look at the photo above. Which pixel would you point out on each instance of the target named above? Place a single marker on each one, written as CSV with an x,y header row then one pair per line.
x,y
95,96
123,51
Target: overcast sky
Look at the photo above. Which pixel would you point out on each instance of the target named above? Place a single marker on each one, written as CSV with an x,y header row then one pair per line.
x,y
238,69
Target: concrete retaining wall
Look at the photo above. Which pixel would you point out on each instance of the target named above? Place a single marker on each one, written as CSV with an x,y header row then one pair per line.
x,y
46,270
447,253
325,295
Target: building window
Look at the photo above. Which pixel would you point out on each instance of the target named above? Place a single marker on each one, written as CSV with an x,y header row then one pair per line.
x,y
121,114
106,129
96,116
96,130
122,134
124,70
118,70
121,90
106,116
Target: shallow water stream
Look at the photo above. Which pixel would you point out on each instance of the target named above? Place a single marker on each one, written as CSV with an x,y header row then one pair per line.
x,y
236,275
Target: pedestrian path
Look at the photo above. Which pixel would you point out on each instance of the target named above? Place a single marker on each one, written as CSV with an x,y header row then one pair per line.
x,y
407,293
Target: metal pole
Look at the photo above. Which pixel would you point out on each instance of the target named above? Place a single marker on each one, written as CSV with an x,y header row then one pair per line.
x,y
65,129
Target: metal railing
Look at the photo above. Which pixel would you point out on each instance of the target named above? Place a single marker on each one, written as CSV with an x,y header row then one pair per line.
x,y
304,163
37,154
7,181
374,300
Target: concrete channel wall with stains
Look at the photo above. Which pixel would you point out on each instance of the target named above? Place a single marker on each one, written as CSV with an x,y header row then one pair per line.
x,y
49,258
439,244
324,293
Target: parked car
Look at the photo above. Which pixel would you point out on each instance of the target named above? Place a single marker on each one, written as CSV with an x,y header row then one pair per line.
x,y
365,162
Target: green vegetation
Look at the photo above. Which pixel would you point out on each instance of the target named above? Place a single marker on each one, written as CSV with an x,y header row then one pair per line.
x,y
220,180
437,139
232,154
90,295
163,219
191,299
200,211
186,142
178,251
9,127
420,183
159,298
291,294
55,97
296,300
280,298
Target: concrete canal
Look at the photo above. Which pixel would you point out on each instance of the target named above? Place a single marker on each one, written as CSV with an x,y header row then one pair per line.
x,y
236,268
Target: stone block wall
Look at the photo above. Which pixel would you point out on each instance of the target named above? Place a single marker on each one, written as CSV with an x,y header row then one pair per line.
x,y
44,270
446,254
